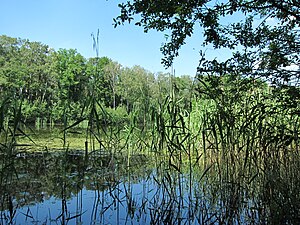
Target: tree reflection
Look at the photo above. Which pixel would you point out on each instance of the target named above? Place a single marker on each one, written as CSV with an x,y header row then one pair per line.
x,y
145,194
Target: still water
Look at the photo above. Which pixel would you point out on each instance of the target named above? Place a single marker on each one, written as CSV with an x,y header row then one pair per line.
x,y
71,188
74,188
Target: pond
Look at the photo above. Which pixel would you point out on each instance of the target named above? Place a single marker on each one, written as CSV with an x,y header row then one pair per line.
x,y
72,187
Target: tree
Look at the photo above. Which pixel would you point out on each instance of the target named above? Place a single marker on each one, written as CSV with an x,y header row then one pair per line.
x,y
111,74
184,87
11,70
134,88
267,49
103,75
25,74
70,67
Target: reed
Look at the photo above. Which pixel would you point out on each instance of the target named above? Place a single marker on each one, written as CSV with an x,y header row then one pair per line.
x,y
230,156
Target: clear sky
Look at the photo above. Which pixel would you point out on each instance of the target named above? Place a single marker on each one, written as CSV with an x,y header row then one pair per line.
x,y
69,24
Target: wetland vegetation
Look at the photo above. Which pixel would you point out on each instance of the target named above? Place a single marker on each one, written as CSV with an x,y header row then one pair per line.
x,y
88,141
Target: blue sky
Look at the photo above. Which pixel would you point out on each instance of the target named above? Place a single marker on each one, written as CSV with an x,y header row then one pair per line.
x,y
69,24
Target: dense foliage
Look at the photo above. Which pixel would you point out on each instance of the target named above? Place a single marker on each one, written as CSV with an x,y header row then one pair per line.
x,y
262,36
249,100
55,85
221,143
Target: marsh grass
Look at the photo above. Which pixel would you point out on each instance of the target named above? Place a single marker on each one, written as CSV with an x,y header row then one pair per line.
x,y
237,140
231,157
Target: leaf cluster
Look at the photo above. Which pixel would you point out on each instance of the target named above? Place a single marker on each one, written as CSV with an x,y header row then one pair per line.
x,y
266,32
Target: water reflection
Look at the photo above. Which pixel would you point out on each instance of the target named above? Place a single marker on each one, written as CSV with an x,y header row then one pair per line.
x,y
70,188
64,187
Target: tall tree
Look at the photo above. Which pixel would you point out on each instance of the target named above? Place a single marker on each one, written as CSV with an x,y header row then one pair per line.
x,y
70,67
103,74
11,70
135,90
25,73
111,74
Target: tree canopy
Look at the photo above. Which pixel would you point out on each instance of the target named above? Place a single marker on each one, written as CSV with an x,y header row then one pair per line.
x,y
53,85
263,35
